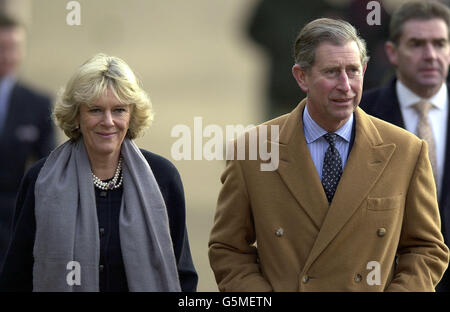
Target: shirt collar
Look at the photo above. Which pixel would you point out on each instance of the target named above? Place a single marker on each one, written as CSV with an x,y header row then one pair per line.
x,y
407,98
313,131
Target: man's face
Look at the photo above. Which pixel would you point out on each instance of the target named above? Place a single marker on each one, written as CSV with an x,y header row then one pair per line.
x,y
422,55
11,39
333,84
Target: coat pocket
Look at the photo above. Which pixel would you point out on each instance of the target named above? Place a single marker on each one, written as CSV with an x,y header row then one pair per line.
x,y
385,203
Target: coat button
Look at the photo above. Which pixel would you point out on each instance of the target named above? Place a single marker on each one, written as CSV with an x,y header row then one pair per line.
x,y
101,267
358,278
279,232
381,232
305,279
102,231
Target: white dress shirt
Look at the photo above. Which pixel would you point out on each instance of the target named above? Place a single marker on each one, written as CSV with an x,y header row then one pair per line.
x,y
437,115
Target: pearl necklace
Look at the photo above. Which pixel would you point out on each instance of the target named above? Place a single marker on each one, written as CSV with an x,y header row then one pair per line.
x,y
111,185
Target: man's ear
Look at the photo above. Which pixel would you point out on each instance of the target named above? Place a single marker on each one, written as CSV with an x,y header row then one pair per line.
x,y
391,52
300,76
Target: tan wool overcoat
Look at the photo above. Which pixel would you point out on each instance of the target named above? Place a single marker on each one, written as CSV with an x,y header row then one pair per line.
x,y
275,231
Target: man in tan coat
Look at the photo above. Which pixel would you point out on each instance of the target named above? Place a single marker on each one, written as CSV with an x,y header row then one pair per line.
x,y
351,205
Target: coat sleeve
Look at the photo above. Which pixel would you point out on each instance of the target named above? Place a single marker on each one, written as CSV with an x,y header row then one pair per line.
x,y
232,250
177,219
17,272
422,256
171,186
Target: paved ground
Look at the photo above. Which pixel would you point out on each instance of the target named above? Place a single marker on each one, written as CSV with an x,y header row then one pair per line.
x,y
193,58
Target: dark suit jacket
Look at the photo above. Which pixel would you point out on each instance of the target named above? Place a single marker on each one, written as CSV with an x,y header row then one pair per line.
x,y
27,133
383,103
17,273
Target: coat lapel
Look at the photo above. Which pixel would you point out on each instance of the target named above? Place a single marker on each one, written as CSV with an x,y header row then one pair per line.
x,y
389,106
366,162
386,105
297,170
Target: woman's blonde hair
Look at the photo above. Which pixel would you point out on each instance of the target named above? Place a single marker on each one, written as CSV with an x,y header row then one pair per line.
x,y
91,81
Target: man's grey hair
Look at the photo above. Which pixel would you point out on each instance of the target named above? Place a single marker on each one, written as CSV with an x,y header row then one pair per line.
x,y
335,31
422,10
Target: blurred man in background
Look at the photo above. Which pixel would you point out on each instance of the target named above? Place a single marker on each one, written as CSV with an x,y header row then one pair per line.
x,y
26,131
417,99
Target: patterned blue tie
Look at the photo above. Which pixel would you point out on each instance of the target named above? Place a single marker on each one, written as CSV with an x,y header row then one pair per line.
x,y
332,167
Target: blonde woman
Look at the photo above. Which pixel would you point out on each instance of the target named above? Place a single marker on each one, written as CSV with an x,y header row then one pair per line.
x,y
100,214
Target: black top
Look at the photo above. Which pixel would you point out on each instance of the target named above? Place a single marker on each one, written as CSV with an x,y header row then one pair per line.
x,y
111,269
16,274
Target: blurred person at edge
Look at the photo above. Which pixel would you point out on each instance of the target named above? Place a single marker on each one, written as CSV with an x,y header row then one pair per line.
x,y
100,214
418,48
26,130
352,204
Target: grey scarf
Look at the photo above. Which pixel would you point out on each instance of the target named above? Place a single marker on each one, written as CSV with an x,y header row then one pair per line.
x,y
67,244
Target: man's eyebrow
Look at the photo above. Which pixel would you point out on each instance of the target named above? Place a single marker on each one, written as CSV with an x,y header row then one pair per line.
x,y
415,39
440,40
328,67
